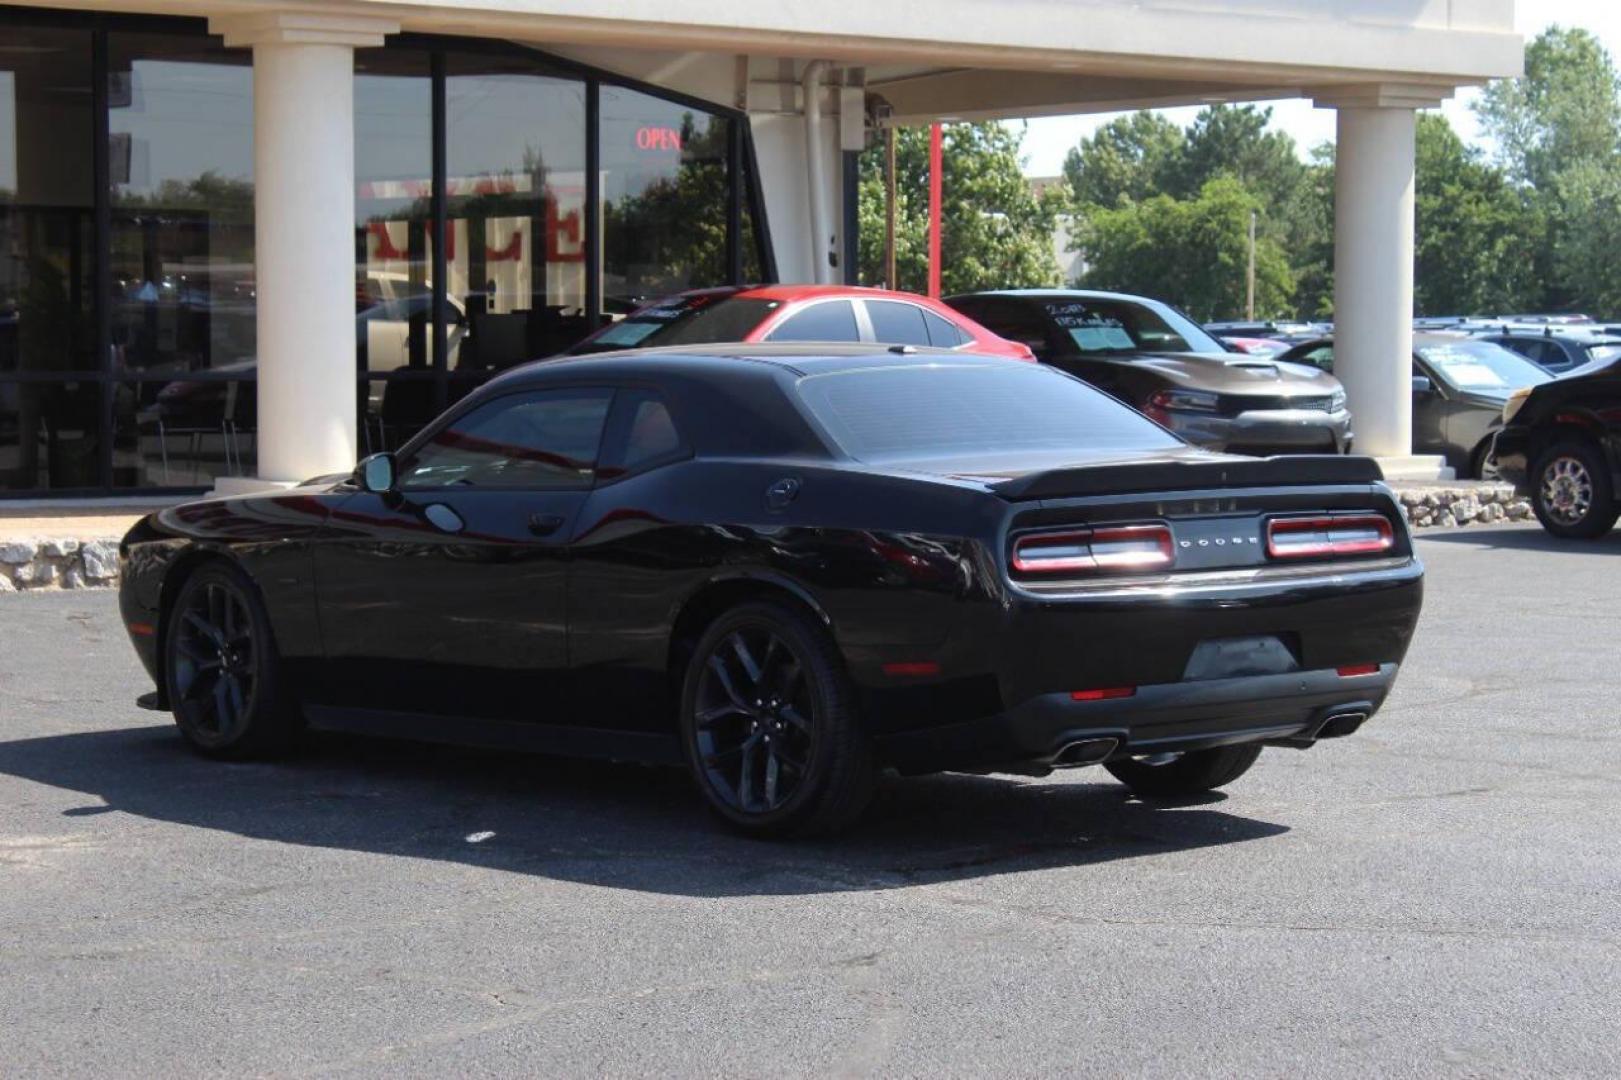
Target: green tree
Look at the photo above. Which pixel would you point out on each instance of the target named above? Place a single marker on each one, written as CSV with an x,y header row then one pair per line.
x,y
1473,230
1131,157
1565,108
1585,249
1192,252
1558,134
995,232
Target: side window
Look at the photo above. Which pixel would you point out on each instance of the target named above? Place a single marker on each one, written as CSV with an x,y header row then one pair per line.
x,y
942,333
833,320
894,323
652,433
1323,357
545,439
642,432
1016,322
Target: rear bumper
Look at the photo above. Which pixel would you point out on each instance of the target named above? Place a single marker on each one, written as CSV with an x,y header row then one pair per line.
x,y
1281,431
1054,730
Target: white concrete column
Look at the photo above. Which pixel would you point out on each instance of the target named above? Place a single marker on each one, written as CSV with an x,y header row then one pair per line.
x,y
304,212
1373,269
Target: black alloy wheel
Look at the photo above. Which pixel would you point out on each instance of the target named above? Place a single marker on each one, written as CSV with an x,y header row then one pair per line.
x,y
769,727
1171,776
221,667
1572,493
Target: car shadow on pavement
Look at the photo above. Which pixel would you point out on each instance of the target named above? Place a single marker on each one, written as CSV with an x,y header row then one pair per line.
x,y
617,826
1520,538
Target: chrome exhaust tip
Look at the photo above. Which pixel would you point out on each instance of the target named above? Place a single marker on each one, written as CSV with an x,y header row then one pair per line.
x,y
1340,725
1085,752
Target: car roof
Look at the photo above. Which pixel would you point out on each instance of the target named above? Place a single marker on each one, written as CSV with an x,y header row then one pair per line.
x,y
1064,294
788,293
708,360
1418,340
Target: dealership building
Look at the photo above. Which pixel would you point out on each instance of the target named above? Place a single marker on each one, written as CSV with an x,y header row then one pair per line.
x,y
243,241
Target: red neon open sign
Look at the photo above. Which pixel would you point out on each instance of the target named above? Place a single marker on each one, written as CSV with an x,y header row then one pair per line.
x,y
658,138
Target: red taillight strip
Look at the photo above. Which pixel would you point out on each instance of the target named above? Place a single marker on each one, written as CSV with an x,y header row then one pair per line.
x,y
1103,693
1352,671
1347,534
1112,548
911,669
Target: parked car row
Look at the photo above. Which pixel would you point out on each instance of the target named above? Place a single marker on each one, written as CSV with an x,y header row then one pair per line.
x,y
1271,395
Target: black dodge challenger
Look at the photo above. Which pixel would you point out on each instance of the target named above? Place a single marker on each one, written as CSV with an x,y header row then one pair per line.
x,y
791,567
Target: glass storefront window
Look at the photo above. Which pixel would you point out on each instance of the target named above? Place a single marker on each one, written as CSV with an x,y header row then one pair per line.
x,y
664,189
50,434
47,202
394,211
515,193
183,433
181,175
128,350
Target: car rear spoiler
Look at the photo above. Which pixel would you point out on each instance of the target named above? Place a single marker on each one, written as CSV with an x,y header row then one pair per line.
x,y
1123,479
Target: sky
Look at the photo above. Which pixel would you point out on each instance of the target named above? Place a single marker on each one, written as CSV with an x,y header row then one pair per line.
x,y
1050,138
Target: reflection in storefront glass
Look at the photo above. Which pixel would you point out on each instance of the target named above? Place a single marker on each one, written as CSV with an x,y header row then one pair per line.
x,y
46,202
49,433
515,192
664,187
394,212
181,156
183,434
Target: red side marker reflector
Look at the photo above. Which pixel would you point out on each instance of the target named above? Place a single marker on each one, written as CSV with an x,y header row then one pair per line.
x,y
1351,671
143,629
912,669
1103,693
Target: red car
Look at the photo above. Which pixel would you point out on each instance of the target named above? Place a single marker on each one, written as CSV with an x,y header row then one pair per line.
x,y
754,313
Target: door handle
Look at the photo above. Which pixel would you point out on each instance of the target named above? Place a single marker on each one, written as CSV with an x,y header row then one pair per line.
x,y
545,524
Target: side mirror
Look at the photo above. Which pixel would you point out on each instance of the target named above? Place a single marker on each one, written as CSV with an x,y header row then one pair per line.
x,y
1422,385
376,474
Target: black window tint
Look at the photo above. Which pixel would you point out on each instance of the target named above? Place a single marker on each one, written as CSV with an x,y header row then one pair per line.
x,y
897,324
692,320
966,410
536,440
833,320
652,434
1016,322
942,333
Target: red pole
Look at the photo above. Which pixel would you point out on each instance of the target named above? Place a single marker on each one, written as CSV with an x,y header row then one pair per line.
x,y
934,210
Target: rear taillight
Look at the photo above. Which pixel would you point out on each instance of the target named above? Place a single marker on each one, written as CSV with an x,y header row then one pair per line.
x,y
1336,534
1111,549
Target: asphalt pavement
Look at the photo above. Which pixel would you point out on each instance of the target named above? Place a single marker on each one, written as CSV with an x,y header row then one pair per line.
x,y
1439,895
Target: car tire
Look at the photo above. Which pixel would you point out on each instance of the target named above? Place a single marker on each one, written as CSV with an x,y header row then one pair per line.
x,y
1185,774
221,671
770,726
1480,463
1572,491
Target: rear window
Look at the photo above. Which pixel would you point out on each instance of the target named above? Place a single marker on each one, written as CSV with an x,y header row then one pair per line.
x,y
1105,326
694,320
1481,366
947,410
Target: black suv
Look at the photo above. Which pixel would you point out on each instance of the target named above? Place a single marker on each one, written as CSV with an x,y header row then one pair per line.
x,y
1558,352
1561,445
